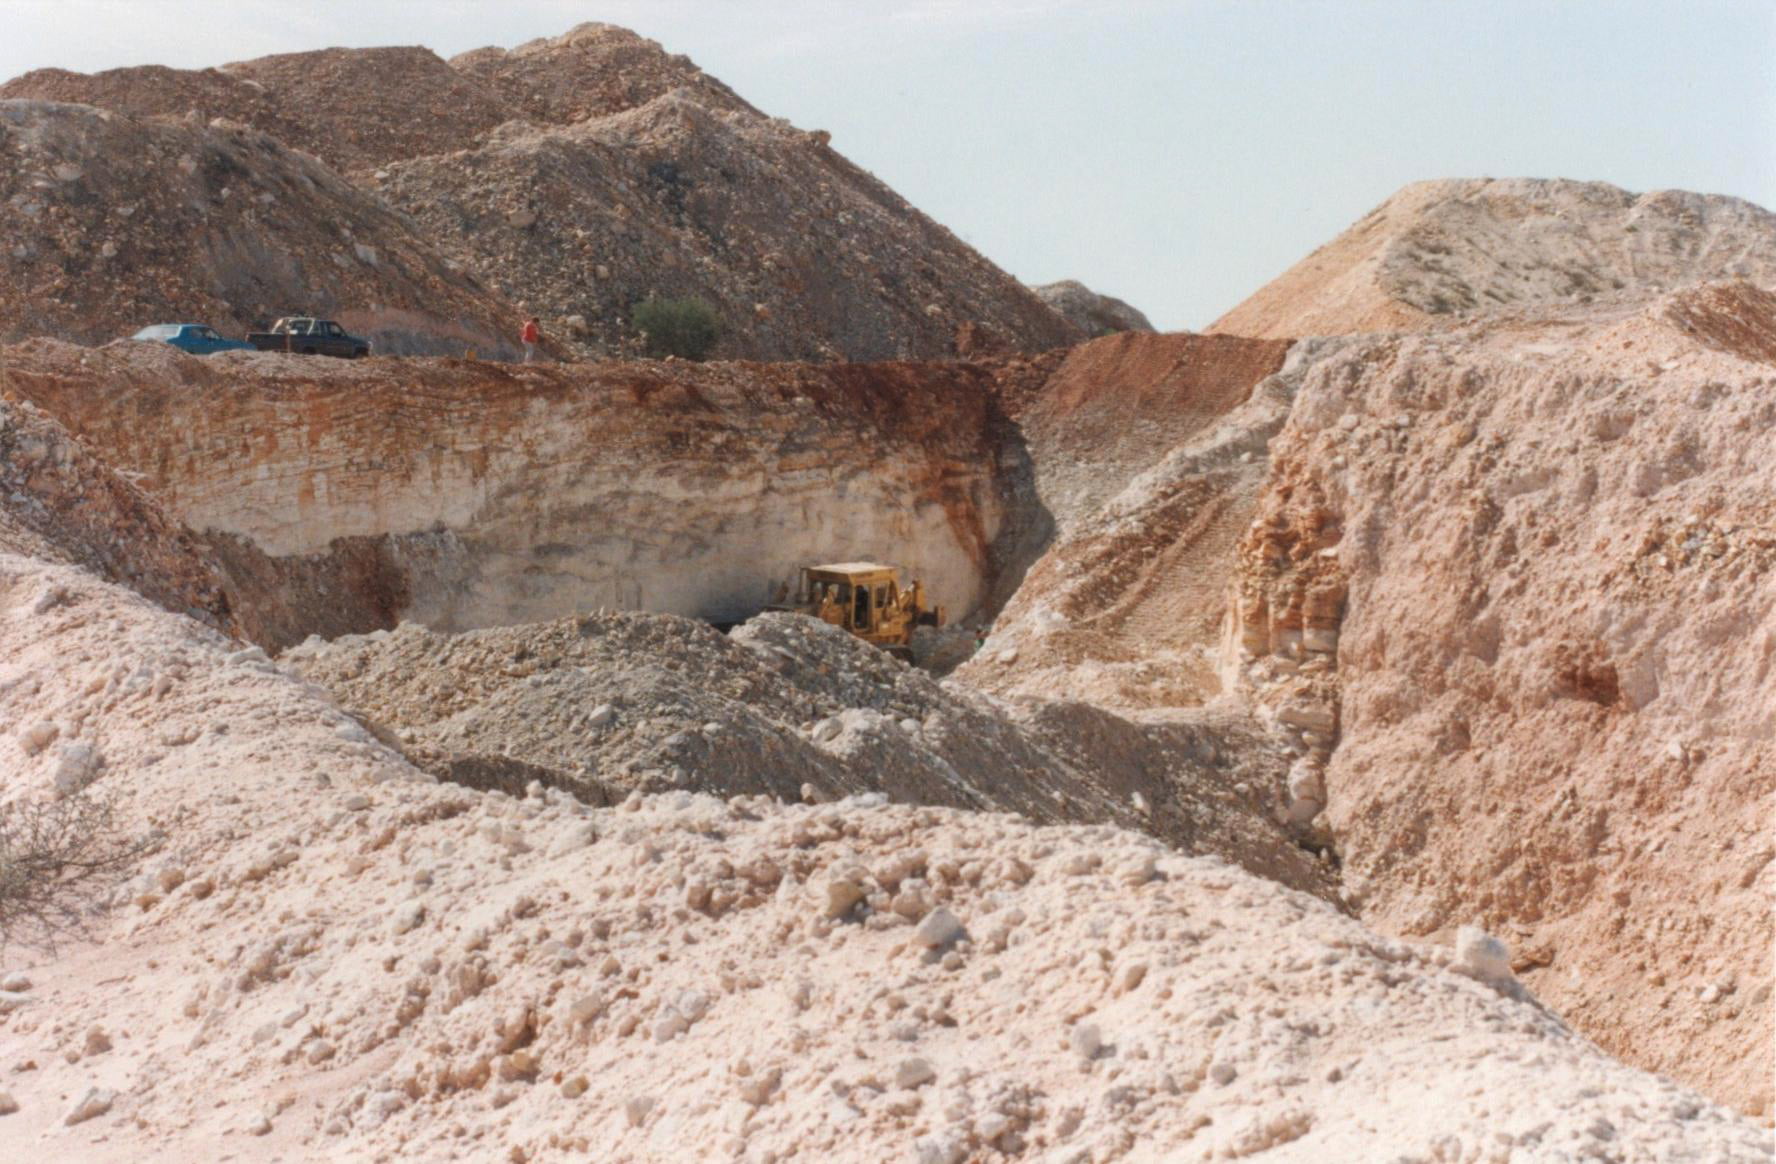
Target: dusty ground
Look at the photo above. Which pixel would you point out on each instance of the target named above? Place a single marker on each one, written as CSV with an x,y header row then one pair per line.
x,y
325,950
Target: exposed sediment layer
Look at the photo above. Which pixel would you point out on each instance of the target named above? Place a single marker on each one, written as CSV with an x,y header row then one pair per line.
x,y
465,494
1522,572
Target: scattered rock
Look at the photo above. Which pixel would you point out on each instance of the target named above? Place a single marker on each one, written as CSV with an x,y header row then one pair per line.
x,y
939,928
37,736
410,916
77,765
96,1102
843,890
913,1073
1480,955
636,1109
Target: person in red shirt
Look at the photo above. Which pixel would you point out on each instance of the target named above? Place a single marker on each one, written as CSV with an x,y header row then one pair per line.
x,y
532,335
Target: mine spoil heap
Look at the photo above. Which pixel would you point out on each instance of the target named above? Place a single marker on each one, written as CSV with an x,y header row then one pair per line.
x,y
433,204
114,222
348,959
1438,251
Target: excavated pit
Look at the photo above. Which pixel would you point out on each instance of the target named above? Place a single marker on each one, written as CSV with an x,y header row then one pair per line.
x,y
339,499
457,494
1316,666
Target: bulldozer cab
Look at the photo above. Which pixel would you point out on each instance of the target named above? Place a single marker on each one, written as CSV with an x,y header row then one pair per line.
x,y
853,595
866,599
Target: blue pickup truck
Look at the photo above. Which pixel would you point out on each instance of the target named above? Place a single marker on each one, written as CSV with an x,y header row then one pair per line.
x,y
197,338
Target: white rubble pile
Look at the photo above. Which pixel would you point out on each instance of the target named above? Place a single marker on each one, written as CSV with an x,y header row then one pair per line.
x,y
607,703
324,955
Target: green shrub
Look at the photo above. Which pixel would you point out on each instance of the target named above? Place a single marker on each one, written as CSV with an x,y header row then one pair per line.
x,y
686,328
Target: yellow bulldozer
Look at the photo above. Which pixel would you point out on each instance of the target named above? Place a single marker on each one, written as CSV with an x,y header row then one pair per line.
x,y
866,599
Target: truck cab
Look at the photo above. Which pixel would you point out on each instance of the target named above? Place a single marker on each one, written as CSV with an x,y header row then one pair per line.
x,y
198,339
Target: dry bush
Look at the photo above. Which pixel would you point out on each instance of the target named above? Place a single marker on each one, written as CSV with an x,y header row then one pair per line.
x,y
53,853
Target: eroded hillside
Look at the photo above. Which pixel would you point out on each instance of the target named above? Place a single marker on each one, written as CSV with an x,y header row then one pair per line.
x,y
1149,454
63,504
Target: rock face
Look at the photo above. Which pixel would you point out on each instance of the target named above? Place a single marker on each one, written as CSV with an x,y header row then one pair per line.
x,y
462,495
1438,251
1529,564
569,178
112,223
470,494
1149,456
60,503
1092,313
331,953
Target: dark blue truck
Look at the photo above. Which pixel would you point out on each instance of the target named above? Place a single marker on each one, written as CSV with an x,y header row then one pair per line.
x,y
307,336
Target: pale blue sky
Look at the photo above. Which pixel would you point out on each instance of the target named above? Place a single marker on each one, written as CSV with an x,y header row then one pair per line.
x,y
1176,153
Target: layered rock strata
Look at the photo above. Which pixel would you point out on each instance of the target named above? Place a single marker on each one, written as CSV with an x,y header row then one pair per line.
x,y
1522,571
463,494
